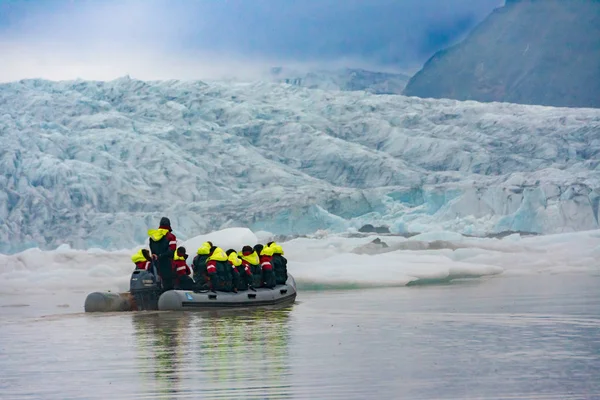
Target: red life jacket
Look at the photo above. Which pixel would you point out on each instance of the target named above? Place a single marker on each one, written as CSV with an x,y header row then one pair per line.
x,y
140,260
265,263
145,265
180,267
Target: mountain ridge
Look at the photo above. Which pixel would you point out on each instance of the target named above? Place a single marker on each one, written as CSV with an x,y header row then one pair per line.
x,y
527,52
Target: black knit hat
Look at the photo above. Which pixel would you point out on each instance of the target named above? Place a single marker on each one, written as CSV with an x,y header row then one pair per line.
x,y
258,248
164,221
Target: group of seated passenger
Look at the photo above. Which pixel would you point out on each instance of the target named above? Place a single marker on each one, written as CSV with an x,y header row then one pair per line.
x,y
218,270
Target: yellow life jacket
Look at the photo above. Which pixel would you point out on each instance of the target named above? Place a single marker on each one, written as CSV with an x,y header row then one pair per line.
x,y
233,258
277,249
204,249
138,257
177,257
157,234
218,255
266,251
251,258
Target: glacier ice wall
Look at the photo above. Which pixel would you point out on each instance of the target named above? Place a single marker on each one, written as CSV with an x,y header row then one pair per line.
x,y
95,164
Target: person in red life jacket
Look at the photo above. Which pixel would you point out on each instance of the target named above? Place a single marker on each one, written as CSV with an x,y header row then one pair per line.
x,y
251,262
162,245
268,275
199,264
182,271
242,277
142,260
219,270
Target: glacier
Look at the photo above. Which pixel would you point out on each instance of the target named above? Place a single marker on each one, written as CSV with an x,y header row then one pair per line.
x,y
95,164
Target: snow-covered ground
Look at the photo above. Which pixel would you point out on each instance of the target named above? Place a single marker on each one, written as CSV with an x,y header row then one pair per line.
x,y
95,164
326,261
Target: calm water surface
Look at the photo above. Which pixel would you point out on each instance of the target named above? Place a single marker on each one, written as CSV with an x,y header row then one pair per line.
x,y
501,338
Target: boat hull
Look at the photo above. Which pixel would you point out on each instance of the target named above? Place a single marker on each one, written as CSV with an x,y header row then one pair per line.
x,y
188,300
177,300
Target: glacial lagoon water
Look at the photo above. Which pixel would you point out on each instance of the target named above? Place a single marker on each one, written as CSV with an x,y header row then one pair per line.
x,y
502,337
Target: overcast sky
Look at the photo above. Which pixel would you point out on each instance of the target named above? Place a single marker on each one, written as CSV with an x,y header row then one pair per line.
x,y
162,39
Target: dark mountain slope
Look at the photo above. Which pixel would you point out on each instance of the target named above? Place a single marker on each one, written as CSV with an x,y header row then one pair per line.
x,y
544,52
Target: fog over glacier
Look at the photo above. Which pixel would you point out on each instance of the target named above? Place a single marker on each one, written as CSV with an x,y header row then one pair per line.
x,y
95,164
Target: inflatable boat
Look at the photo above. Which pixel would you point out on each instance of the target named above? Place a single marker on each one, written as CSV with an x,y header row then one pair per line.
x,y
186,300
145,294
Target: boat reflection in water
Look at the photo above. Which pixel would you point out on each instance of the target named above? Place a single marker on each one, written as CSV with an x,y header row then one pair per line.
x,y
214,354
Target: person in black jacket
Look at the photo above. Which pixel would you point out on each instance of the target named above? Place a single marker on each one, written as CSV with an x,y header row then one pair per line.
x,y
279,263
251,261
242,275
199,263
219,270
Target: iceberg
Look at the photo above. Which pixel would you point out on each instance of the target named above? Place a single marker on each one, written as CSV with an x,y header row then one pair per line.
x,y
231,238
322,262
96,164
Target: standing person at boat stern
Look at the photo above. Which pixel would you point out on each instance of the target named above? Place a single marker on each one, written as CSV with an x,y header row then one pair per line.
x,y
162,245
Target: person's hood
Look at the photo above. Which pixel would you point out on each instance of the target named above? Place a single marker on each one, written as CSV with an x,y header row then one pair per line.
x,y
277,249
267,251
252,258
234,260
138,257
204,249
157,234
218,255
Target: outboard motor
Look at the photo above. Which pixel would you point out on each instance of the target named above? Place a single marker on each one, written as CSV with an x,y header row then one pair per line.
x,y
145,289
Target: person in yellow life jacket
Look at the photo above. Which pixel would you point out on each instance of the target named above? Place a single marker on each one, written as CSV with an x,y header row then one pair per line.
x,y
268,276
251,261
182,271
163,244
199,263
279,263
219,270
241,275
142,260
